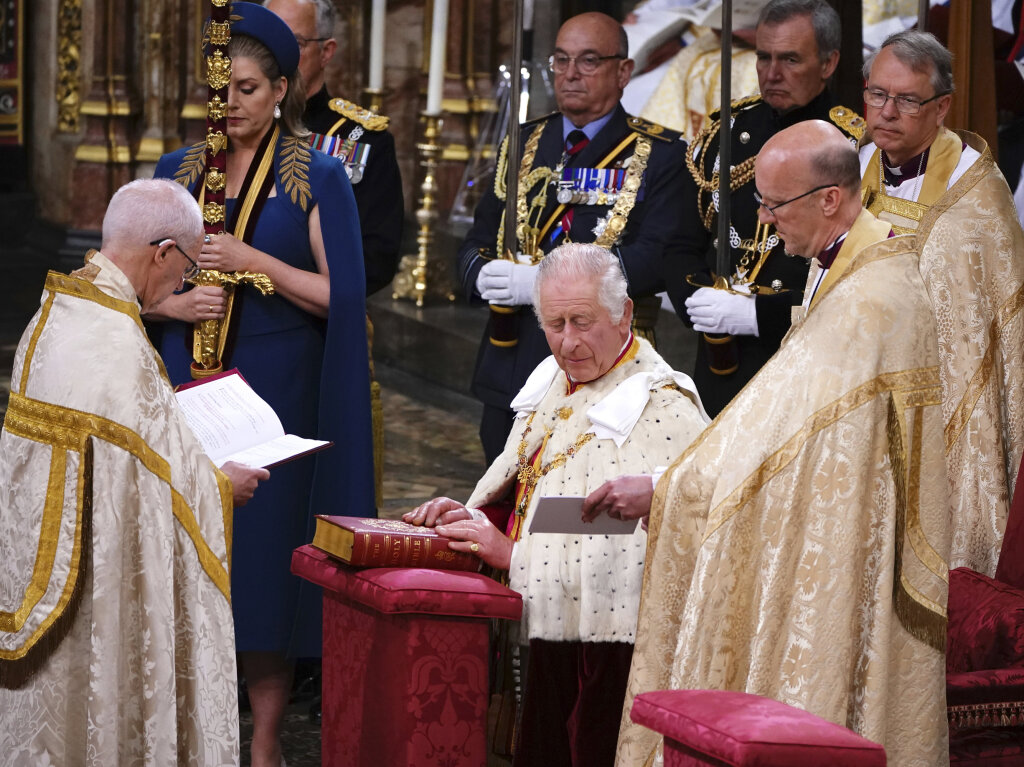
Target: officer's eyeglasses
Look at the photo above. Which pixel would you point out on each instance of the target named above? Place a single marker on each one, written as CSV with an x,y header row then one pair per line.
x,y
586,64
907,105
192,270
304,41
772,208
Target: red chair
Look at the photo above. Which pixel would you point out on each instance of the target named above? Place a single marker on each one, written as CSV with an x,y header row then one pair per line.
x,y
985,655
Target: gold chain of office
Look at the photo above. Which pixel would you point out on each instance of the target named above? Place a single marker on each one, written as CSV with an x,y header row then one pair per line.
x,y
529,475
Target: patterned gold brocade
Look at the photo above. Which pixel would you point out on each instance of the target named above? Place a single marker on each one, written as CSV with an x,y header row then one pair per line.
x,y
798,548
972,261
116,635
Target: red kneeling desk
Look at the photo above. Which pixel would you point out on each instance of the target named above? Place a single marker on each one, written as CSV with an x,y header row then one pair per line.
x,y
405,662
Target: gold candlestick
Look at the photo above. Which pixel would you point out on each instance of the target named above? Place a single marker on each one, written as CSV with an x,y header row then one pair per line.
x,y
419,275
373,99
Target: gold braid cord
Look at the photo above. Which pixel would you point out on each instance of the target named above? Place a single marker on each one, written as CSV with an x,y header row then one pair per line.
x,y
527,180
739,174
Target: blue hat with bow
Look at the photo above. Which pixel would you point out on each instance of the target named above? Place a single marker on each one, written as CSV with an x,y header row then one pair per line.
x,y
269,28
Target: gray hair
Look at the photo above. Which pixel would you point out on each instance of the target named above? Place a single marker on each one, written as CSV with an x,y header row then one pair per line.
x,y
149,209
828,31
837,164
326,14
577,259
294,104
923,53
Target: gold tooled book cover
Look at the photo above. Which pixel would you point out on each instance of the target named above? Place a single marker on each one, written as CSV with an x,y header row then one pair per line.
x,y
369,542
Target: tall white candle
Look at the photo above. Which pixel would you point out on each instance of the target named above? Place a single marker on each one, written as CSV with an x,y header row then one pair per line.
x,y
376,76
438,42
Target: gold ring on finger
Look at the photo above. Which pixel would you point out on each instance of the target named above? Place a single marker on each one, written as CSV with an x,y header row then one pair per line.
x,y
475,547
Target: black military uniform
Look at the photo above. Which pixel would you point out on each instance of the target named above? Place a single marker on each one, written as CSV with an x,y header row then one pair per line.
x,y
781,277
654,233
373,170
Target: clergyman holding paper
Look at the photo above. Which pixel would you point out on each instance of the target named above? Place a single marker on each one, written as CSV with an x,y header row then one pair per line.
x,y
116,639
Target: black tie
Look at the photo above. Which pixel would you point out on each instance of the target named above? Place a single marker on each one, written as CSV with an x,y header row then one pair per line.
x,y
575,141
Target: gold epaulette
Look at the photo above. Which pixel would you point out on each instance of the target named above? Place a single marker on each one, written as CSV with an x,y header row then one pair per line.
x,y
653,130
848,121
738,105
542,118
369,120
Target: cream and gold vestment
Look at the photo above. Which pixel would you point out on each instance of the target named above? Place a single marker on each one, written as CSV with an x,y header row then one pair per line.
x,y
799,547
972,261
632,420
116,637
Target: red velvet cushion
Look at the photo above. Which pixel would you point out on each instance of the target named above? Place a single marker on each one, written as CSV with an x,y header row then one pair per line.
x,y
986,623
409,590
743,729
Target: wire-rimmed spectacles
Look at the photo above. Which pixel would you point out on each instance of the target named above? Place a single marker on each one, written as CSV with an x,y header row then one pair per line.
x,y
304,41
906,105
772,208
586,63
192,270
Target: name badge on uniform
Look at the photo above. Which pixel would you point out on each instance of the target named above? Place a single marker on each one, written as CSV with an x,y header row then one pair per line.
x,y
354,154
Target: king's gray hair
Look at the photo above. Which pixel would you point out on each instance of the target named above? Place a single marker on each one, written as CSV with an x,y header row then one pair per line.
x,y
326,13
148,209
922,52
576,259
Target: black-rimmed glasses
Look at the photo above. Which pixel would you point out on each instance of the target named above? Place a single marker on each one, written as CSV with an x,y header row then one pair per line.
x,y
586,64
906,105
772,208
192,270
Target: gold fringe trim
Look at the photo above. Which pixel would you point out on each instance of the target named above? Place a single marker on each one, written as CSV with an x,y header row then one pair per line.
x,y
1006,714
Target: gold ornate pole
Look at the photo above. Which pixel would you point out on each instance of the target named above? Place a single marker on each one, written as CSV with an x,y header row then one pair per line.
x,y
210,336
419,276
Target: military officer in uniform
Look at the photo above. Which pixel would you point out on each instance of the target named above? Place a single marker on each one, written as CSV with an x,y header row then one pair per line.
x,y
588,173
346,129
797,47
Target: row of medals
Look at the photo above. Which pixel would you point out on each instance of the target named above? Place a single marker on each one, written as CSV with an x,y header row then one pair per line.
x,y
569,194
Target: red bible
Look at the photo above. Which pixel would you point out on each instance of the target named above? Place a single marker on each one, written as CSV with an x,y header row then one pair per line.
x,y
387,543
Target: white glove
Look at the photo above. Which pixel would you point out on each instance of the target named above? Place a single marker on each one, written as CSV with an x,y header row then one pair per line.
x,y
506,282
719,311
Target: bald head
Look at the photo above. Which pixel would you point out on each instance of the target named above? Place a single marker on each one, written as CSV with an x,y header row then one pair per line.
x,y
808,176
587,96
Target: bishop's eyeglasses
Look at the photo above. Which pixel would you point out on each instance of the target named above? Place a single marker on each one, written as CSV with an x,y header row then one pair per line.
x,y
906,105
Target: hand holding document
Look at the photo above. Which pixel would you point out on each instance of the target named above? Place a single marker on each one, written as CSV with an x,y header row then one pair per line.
x,y
564,514
233,423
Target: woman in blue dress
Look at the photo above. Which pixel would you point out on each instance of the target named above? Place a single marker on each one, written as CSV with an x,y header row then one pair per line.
x,y
290,215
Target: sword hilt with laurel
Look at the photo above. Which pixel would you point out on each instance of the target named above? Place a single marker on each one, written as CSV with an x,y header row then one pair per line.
x,y
210,336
